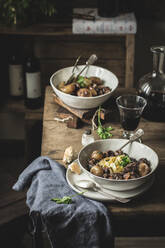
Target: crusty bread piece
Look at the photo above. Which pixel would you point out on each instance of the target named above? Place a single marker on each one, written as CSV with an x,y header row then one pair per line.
x,y
68,155
74,167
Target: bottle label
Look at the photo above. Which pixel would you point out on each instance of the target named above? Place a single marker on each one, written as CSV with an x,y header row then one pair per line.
x,y
33,84
16,80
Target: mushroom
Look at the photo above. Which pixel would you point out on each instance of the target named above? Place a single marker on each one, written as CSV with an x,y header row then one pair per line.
x,y
84,92
97,171
143,169
106,89
97,155
118,152
93,91
96,80
68,89
91,163
87,81
109,153
127,175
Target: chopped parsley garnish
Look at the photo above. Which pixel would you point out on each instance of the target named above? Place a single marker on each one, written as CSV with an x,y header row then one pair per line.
x,y
81,81
125,160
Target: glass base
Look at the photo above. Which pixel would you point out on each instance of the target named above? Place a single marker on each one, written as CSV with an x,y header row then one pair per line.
x,y
128,134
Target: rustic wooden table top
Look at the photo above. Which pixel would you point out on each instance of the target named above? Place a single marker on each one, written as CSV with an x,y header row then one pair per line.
x,y
142,215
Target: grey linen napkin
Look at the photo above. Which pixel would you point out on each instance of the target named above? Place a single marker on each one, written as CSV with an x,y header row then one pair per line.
x,y
83,223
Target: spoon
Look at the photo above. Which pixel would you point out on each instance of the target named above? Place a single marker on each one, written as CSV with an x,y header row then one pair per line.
x,y
134,137
87,184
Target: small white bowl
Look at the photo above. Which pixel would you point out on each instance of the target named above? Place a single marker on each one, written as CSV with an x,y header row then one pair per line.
x,y
135,150
84,102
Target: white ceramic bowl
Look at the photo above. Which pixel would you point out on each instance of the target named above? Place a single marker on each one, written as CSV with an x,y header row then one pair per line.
x,y
84,102
135,150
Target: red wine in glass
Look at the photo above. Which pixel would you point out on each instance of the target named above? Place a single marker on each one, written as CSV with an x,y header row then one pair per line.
x,y
130,110
130,123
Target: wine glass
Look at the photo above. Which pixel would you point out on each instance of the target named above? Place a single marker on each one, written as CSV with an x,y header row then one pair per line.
x,y
130,110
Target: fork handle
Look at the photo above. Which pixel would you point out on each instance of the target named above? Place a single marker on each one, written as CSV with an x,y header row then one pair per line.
x,y
90,61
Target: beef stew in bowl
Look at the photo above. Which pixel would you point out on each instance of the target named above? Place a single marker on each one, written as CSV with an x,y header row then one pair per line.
x,y
136,156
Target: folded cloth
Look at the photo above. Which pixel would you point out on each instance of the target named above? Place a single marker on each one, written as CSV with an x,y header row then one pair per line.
x,y
83,223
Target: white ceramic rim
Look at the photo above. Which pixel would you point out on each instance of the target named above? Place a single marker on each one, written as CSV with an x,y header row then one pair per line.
x,y
119,180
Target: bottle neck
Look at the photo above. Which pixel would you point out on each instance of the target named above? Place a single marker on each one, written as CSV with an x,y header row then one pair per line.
x,y
32,65
158,60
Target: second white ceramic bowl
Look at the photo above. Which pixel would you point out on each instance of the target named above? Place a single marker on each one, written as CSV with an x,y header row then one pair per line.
x,y
135,150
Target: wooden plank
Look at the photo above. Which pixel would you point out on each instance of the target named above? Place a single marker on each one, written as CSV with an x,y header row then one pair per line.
x,y
81,113
106,49
140,242
63,115
155,139
53,127
13,212
11,198
57,29
130,46
33,116
12,105
58,133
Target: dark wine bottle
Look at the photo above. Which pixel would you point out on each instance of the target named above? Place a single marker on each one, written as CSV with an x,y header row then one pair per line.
x,y
33,94
16,76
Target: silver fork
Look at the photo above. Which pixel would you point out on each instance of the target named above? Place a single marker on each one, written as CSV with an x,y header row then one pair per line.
x,y
73,74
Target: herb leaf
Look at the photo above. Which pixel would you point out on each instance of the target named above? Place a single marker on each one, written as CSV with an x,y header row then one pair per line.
x,y
103,132
125,160
81,81
66,199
